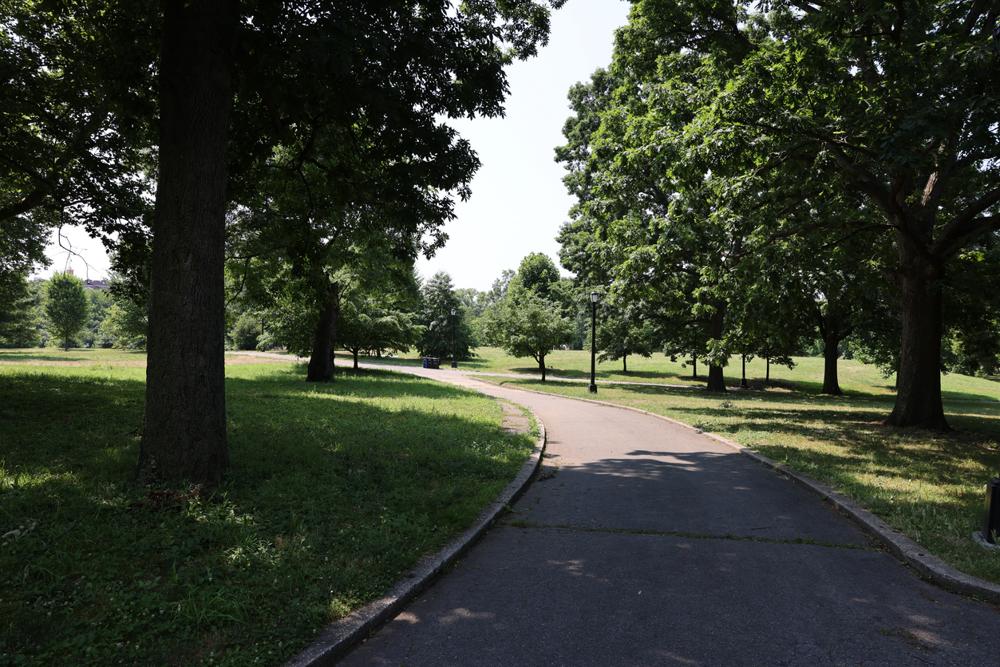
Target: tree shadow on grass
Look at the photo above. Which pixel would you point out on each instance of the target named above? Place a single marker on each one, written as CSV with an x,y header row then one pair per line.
x,y
362,383
326,504
346,360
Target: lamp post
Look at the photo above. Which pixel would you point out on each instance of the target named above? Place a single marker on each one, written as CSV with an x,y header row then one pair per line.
x,y
594,296
454,360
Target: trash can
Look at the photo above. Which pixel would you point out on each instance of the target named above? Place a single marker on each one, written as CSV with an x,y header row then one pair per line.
x,y
432,362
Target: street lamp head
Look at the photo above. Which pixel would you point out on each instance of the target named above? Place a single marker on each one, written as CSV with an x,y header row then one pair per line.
x,y
595,297
454,311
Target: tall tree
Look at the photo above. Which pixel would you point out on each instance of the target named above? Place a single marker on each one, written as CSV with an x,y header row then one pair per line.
x,y
447,333
289,65
184,434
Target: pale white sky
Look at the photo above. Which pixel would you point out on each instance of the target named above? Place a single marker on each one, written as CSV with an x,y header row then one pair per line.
x,y
518,200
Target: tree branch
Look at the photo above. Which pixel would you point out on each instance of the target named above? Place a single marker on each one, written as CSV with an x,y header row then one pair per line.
x,y
965,226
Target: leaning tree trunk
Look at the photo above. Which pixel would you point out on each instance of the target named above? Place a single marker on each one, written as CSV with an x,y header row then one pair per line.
x,y
321,359
184,435
918,396
831,352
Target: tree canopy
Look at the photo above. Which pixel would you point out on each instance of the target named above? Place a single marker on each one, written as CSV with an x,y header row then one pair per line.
x,y
861,139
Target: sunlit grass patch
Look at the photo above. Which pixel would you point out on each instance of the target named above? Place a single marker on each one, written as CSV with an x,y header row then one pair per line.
x,y
334,492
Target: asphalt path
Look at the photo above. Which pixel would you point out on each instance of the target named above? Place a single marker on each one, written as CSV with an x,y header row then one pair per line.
x,y
645,543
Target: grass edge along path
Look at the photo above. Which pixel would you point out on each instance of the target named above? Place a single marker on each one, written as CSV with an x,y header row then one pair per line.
x,y
805,375
335,491
930,487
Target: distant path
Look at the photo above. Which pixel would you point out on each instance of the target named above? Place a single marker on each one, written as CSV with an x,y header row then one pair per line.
x,y
471,371
644,543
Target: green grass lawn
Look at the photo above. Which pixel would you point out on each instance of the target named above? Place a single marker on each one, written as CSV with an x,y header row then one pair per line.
x,y
807,374
334,492
930,487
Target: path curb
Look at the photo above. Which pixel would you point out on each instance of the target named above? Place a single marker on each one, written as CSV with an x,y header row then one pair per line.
x,y
341,636
927,566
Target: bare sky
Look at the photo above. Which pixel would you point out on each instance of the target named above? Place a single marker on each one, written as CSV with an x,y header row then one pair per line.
x,y
518,200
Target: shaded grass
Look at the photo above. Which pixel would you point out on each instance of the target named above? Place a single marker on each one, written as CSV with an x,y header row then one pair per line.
x,y
929,486
807,375
334,492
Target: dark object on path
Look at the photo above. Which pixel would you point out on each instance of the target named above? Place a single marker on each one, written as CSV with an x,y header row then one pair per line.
x,y
432,362
991,525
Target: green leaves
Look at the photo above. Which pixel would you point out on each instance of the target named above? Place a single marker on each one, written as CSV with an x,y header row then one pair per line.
x,y
66,306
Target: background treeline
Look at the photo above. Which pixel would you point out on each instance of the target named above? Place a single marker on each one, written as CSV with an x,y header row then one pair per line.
x,y
66,312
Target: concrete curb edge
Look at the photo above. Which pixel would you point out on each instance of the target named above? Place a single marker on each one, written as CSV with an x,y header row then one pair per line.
x,y
927,566
341,636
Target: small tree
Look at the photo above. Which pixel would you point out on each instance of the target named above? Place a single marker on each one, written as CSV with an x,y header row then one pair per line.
x,y
620,334
246,331
369,325
526,325
126,323
98,301
66,307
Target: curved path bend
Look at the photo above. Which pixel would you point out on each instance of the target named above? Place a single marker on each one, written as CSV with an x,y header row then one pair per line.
x,y
644,543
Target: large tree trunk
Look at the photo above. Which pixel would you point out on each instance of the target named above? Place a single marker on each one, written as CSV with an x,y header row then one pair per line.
x,y
694,366
355,353
541,365
184,435
716,378
918,398
831,351
321,359
625,363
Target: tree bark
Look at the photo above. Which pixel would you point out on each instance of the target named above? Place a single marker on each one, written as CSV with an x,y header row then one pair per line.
x,y
541,365
184,435
355,353
694,366
767,369
743,372
831,352
918,396
716,378
321,359
625,363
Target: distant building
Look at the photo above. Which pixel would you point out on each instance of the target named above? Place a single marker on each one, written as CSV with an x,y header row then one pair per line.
x,y
96,284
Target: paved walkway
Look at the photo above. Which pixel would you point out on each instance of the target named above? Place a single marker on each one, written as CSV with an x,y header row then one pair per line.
x,y
644,543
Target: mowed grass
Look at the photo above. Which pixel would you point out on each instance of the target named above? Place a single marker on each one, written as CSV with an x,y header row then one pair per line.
x,y
929,486
334,492
806,375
